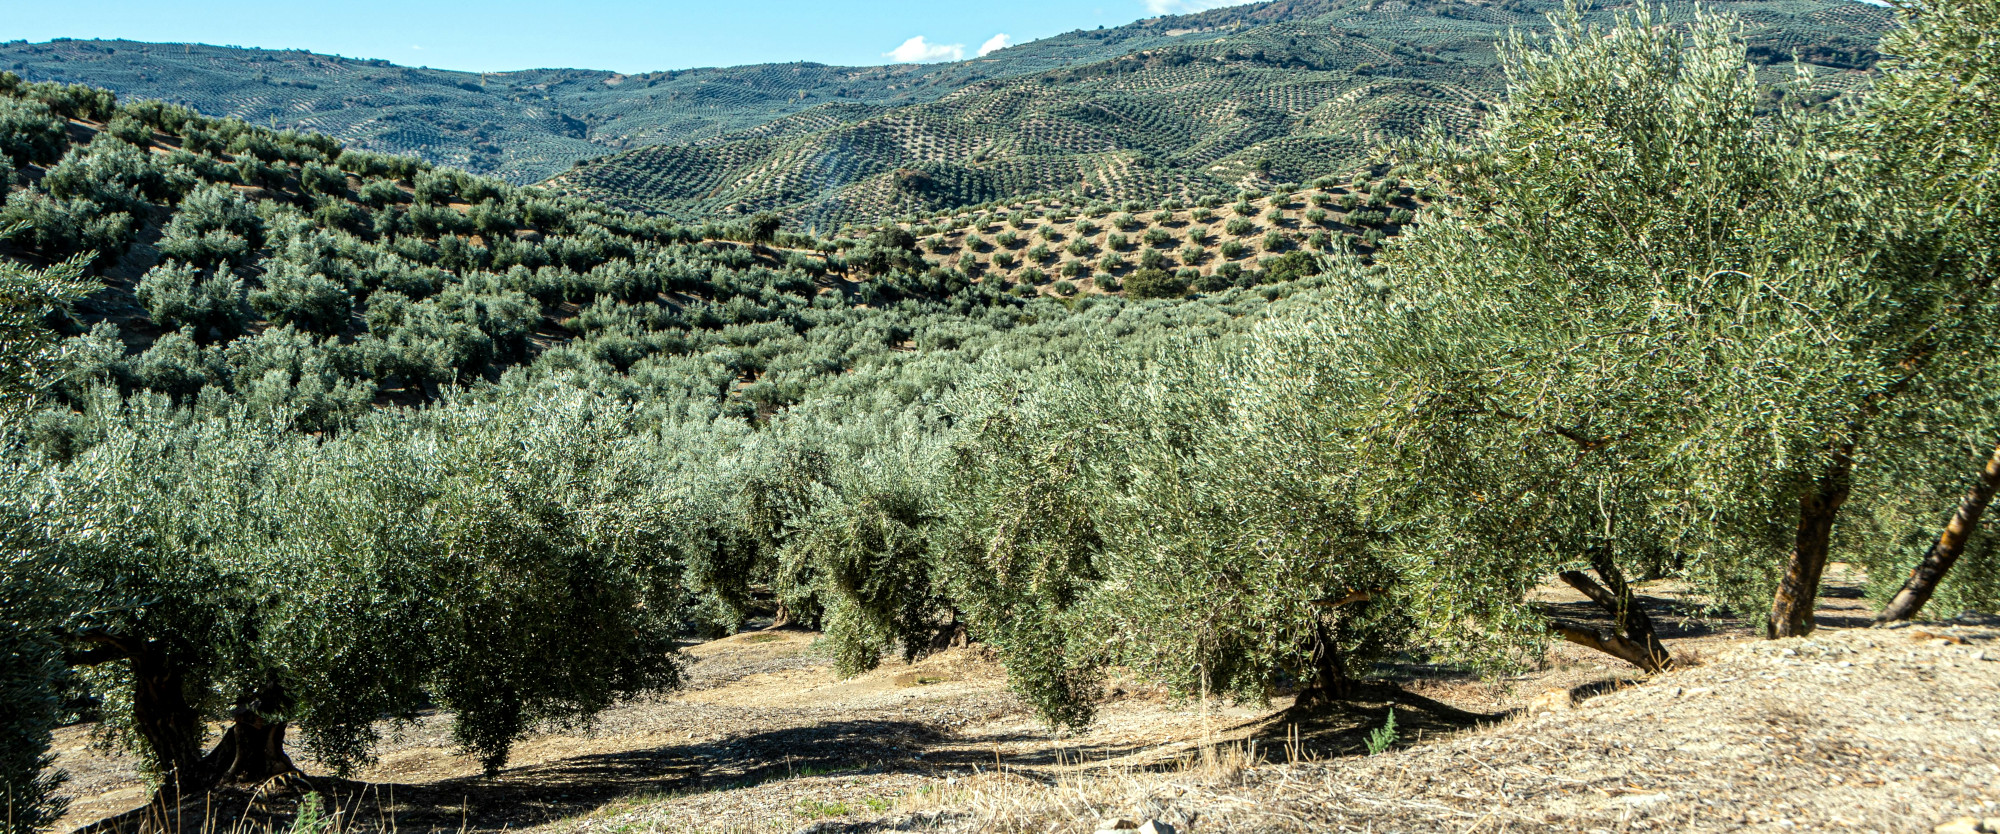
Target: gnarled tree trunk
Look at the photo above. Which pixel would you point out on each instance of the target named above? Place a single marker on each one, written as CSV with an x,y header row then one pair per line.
x,y
252,750
1614,644
782,619
1330,683
1792,606
1943,553
168,722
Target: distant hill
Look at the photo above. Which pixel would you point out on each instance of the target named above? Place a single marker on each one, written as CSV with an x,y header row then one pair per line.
x,y
525,126
1176,106
1246,97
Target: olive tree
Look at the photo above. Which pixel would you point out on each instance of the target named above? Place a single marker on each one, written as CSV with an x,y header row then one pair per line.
x,y
1152,509
1935,115
30,657
499,560
1655,329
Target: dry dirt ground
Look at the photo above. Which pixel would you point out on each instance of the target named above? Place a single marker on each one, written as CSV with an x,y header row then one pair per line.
x,y
1853,729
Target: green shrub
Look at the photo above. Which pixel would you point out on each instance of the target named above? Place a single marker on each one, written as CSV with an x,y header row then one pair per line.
x,y
30,132
177,294
1154,283
293,295
130,130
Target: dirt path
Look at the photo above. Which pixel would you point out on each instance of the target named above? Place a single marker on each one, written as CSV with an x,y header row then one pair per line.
x,y
766,738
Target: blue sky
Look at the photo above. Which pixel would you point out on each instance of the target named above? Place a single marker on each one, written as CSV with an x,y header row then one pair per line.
x,y
620,35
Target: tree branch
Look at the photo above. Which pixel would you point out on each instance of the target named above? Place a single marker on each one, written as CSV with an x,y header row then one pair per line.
x,y
95,657
1351,598
1612,644
1589,444
1619,601
107,647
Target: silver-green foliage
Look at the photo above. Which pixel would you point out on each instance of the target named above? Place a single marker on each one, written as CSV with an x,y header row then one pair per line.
x,y
1653,318
508,561
1936,118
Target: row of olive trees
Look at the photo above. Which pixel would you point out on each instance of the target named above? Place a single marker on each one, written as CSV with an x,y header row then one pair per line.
x,y
515,562
1655,333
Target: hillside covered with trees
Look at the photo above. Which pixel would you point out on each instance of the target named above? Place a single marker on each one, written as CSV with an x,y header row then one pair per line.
x,y
528,125
1267,95
1175,106
309,441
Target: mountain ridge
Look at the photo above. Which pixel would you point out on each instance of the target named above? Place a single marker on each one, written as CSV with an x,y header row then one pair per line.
x,y
564,115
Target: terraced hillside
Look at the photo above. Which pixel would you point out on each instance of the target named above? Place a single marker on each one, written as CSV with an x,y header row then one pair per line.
x,y
1274,93
526,126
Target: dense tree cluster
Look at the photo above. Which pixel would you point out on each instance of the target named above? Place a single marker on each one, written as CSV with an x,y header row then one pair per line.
x,y
373,436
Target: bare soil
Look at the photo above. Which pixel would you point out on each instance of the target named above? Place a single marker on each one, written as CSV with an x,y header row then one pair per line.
x,y
1862,728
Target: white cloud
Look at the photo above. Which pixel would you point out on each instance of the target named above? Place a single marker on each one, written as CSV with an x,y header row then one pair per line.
x,y
1189,6
916,50
995,44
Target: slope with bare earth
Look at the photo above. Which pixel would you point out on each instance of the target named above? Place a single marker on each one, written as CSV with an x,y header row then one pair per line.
x,y
1058,248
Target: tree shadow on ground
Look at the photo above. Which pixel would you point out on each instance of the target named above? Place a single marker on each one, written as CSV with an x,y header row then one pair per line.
x,y
538,793
1344,727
